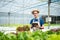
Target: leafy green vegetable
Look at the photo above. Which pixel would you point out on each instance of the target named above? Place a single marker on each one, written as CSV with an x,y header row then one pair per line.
x,y
27,35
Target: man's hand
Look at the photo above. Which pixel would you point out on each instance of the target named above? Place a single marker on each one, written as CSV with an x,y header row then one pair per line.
x,y
42,27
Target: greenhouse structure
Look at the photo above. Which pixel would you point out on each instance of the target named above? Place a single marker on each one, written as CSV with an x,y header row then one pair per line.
x,y
19,12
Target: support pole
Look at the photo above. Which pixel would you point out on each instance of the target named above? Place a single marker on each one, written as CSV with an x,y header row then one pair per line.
x,y
8,18
49,1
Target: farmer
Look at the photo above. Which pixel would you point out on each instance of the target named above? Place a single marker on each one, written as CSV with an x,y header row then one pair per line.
x,y
37,20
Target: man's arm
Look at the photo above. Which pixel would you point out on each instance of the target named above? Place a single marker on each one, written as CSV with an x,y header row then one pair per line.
x,y
42,23
31,21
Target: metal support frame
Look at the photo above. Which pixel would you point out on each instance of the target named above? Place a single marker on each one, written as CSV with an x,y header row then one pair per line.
x,y
9,18
49,1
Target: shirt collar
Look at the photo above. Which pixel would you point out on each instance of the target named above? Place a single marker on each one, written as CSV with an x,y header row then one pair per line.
x,y
36,18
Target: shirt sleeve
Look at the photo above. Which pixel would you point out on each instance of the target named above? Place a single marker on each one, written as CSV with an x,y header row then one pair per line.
x,y
41,22
31,21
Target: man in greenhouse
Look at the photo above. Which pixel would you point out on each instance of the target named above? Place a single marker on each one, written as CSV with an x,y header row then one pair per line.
x,y
37,22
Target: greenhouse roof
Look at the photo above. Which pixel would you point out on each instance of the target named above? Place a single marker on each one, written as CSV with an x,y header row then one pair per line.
x,y
20,6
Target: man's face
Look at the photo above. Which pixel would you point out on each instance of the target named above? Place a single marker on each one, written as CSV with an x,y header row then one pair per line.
x,y
35,14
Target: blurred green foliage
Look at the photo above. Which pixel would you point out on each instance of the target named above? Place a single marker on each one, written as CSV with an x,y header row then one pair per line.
x,y
27,35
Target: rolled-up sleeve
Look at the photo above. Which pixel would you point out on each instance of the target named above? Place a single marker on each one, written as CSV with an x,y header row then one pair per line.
x,y
31,21
41,22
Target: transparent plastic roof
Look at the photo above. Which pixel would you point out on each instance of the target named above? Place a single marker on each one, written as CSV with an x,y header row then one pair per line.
x,y
20,6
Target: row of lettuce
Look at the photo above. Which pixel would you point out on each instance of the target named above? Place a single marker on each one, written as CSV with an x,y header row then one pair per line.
x,y
53,34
